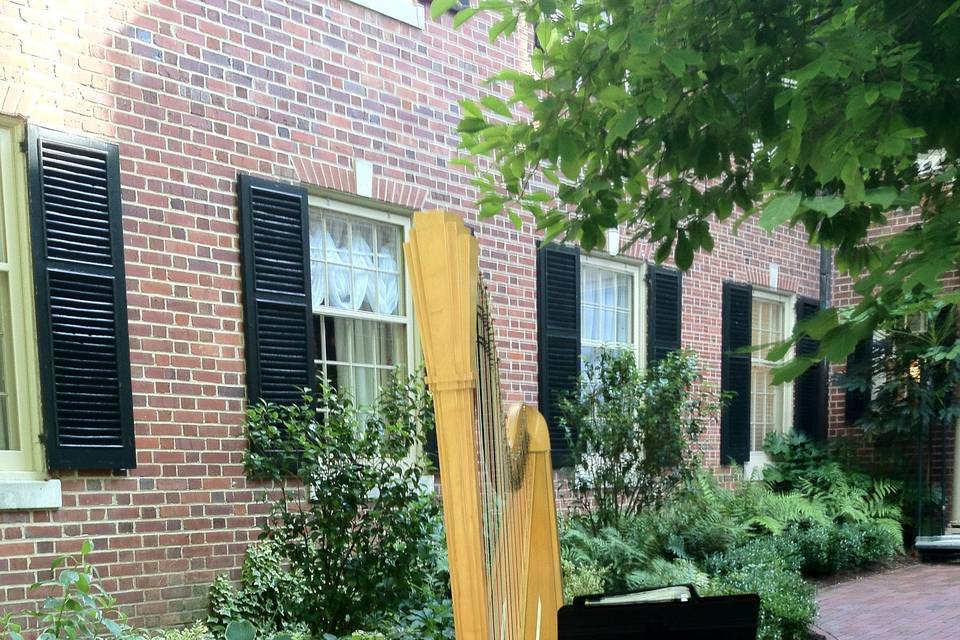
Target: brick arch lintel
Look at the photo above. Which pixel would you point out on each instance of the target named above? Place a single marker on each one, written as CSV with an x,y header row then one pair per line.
x,y
761,278
338,178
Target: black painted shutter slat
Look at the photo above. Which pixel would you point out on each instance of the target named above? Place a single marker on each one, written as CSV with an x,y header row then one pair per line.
x,y
860,366
277,307
735,371
76,231
810,389
664,313
558,322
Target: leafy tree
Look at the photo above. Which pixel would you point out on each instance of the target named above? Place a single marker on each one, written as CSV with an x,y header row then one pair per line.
x,y
668,117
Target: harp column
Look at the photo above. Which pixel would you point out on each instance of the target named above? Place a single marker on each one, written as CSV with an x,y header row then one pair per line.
x,y
441,258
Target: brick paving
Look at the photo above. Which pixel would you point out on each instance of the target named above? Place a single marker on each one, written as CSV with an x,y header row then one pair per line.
x,y
917,601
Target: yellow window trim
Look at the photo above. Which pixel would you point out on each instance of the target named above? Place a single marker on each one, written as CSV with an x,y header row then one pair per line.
x,y
21,344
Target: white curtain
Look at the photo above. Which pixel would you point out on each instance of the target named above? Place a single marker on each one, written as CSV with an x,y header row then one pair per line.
x,y
363,287
388,283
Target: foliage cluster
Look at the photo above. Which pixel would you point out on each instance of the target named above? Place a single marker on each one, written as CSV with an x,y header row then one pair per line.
x,y
815,518
828,114
351,533
631,432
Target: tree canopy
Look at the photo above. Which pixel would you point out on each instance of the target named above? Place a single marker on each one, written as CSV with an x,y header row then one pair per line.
x,y
665,115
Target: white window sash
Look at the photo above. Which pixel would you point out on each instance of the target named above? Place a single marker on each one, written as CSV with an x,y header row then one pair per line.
x,y
638,318
787,304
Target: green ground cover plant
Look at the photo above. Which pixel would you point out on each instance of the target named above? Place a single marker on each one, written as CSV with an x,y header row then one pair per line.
x,y
812,514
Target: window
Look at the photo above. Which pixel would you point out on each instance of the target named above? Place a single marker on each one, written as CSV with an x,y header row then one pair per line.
x,y
361,311
610,300
770,405
20,453
406,11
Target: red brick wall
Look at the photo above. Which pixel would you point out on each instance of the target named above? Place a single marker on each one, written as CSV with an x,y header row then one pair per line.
x,y
193,93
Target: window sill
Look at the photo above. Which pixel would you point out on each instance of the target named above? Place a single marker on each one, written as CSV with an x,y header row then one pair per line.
x,y
28,495
407,12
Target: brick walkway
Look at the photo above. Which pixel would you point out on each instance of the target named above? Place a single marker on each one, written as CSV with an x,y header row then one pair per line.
x,y
918,601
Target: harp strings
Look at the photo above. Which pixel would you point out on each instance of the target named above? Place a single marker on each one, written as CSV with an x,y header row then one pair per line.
x,y
504,495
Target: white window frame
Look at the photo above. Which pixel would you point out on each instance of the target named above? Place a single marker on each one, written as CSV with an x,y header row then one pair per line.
x,y
759,459
638,272
407,11
318,204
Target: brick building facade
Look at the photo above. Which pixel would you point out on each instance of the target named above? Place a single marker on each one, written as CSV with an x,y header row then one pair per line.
x,y
361,109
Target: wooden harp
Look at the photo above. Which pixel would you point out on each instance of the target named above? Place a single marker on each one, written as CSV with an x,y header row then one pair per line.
x,y
495,472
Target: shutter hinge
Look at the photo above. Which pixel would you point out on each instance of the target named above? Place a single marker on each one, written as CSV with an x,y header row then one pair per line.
x,y
23,144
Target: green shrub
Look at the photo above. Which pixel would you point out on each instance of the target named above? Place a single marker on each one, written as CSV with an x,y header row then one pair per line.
x,y
861,544
818,548
630,432
269,593
769,567
355,529
581,579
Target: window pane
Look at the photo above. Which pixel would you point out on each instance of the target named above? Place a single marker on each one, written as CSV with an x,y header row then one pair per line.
x,y
356,264
354,353
607,309
767,402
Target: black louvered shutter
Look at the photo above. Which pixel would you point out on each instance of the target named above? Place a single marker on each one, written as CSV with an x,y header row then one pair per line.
x,y
859,367
664,312
735,372
277,306
81,301
810,389
558,322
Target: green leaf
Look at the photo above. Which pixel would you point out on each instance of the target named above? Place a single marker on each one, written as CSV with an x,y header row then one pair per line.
x,y
891,89
910,133
621,124
616,39
471,108
820,324
241,630
496,105
949,11
68,577
782,98
507,25
440,7
571,158
463,15
882,196
112,627
86,547
779,210
827,205
792,370
673,61
871,94
798,113
683,254
612,95
809,72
